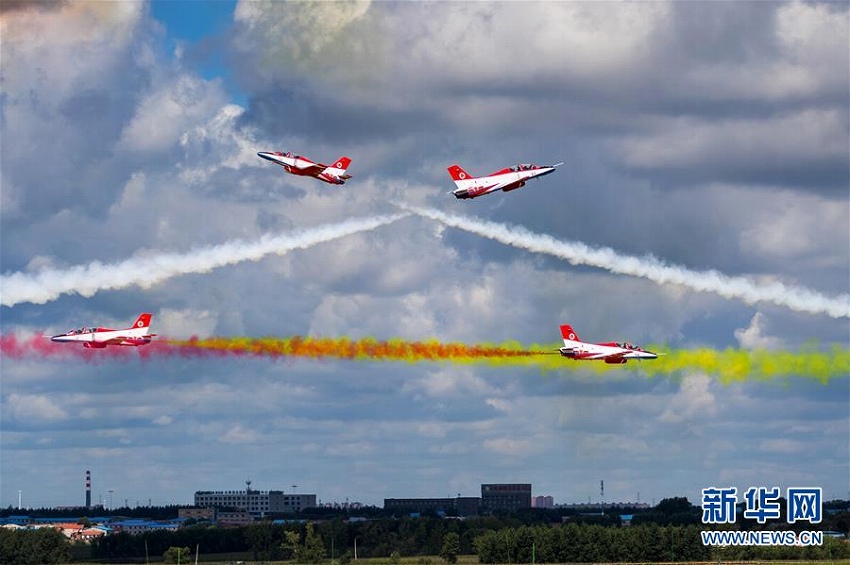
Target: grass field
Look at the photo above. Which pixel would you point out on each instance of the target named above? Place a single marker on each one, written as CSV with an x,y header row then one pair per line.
x,y
244,559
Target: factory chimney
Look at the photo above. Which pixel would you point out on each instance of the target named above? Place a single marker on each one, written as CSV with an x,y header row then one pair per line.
x,y
88,489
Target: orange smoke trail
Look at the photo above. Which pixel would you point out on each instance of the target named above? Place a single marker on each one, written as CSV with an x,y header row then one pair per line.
x,y
362,349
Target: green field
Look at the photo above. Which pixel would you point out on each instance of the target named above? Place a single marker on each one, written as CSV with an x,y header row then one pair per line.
x,y
245,559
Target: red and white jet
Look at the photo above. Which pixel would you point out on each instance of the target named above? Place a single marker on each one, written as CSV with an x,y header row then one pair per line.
x,y
302,166
612,353
98,338
508,179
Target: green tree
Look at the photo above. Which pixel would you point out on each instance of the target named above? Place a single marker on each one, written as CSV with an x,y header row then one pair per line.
x,y
311,550
291,541
259,537
33,547
177,555
451,547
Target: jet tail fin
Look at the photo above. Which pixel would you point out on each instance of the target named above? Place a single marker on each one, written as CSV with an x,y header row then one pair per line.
x,y
143,321
568,334
338,168
458,174
341,164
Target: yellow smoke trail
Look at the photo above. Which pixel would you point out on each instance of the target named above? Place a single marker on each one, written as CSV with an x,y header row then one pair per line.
x,y
728,365
737,365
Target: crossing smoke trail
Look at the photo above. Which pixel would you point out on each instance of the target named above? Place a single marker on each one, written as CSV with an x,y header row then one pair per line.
x,y
796,298
49,284
730,365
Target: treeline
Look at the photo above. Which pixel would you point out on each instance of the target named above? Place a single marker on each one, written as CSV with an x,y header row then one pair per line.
x,y
148,512
209,539
266,541
33,547
573,543
486,537
494,539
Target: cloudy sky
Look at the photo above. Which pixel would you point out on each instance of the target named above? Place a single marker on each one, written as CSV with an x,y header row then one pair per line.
x,y
708,135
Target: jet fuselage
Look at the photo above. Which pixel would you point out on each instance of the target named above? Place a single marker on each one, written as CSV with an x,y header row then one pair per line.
x,y
302,166
99,338
505,180
612,353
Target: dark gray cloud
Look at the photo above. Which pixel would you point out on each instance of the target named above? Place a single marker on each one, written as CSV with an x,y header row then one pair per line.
x,y
31,5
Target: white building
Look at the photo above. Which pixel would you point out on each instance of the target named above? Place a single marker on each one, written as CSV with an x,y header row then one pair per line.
x,y
258,503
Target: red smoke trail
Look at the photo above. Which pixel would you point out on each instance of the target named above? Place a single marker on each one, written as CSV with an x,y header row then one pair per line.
x,y
40,346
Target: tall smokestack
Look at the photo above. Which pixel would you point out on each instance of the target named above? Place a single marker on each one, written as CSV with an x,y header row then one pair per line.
x,y
88,489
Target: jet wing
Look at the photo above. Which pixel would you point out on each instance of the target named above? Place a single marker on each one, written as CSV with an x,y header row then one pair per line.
x,y
128,340
136,341
312,168
616,357
114,340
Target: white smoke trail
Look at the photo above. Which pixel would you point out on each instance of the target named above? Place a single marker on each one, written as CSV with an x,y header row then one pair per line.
x,y
86,280
796,298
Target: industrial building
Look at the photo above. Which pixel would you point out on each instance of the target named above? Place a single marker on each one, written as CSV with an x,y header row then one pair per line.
x,y
494,498
258,503
460,506
505,497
